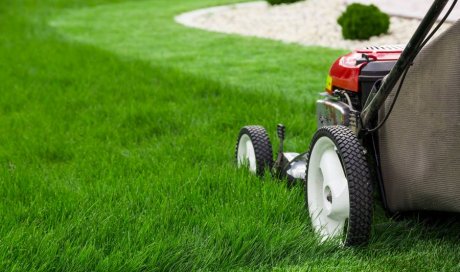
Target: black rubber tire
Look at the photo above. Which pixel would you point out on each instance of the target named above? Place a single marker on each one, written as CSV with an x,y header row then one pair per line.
x,y
356,169
262,147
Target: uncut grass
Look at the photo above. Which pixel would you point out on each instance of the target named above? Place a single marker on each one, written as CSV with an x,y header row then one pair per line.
x,y
121,164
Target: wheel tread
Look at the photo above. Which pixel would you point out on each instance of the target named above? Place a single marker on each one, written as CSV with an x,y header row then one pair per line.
x,y
359,180
262,147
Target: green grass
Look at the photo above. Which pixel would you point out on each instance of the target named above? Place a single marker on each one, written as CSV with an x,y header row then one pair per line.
x,y
117,129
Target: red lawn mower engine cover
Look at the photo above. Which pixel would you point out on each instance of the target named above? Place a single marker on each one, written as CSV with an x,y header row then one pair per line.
x,y
357,71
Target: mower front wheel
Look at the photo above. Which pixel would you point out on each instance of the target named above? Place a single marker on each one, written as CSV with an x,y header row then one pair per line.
x,y
254,150
338,189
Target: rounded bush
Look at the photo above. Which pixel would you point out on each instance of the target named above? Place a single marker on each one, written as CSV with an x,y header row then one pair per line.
x,y
360,22
278,2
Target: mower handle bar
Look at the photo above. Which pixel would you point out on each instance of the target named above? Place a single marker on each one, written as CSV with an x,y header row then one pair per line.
x,y
370,112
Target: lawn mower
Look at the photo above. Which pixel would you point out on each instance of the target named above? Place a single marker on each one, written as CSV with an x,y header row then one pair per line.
x,y
389,120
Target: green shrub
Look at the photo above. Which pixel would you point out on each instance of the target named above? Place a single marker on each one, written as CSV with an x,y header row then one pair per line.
x,y
360,22
277,2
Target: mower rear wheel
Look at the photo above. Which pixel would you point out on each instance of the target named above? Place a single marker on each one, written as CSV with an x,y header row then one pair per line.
x,y
254,150
338,189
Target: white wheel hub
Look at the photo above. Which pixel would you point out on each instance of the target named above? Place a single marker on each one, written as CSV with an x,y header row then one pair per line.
x,y
246,154
328,196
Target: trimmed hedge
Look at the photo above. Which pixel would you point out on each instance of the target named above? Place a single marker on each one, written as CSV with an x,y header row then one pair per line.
x,y
360,22
278,2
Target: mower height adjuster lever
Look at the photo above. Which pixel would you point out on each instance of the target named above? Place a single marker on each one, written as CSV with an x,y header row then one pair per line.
x,y
280,131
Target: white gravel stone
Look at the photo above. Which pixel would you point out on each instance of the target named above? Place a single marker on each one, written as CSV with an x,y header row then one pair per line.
x,y
310,22
409,8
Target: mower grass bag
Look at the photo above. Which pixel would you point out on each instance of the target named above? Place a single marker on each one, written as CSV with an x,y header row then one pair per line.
x,y
420,142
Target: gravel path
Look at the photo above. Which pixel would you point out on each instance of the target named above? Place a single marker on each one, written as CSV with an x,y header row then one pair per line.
x,y
409,8
311,22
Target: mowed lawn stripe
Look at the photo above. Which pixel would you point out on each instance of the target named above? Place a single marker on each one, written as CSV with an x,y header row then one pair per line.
x,y
146,30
